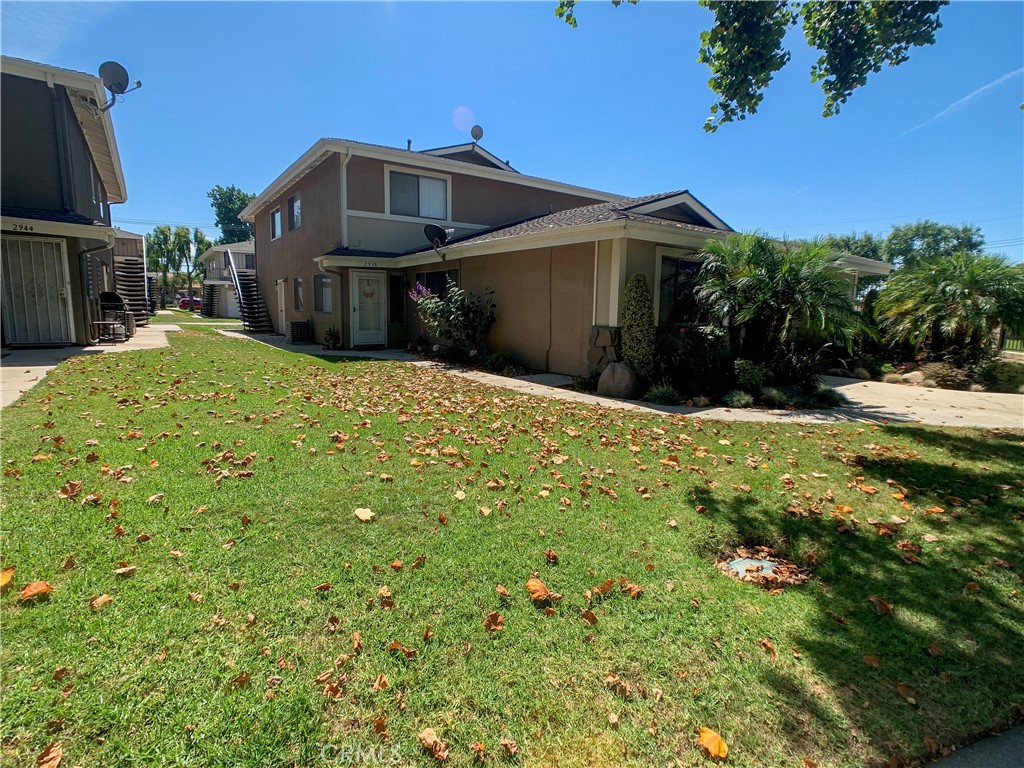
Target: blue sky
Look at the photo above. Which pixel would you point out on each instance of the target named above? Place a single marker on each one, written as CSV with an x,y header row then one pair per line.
x,y
234,92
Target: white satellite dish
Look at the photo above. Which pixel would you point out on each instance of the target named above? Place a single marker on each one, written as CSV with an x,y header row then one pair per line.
x,y
477,133
114,77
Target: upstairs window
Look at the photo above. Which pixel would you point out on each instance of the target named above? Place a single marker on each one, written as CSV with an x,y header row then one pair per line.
x,y
275,224
294,212
425,197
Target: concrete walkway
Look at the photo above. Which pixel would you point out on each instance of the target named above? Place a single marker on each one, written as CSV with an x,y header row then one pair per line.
x,y
870,402
22,369
1003,751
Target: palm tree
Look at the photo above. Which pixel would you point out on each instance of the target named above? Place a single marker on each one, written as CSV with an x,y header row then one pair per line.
x,y
950,306
764,290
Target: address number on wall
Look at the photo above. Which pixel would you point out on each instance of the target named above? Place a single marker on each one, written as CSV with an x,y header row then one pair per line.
x,y
369,263
23,228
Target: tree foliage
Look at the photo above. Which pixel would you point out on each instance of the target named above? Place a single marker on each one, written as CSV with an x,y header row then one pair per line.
x,y
638,329
227,203
173,252
763,291
908,245
744,49
950,306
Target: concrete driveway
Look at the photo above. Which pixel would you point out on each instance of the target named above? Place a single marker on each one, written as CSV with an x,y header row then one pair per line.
x,y
22,369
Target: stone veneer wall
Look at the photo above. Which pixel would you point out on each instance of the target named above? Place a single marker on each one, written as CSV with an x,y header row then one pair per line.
x,y
604,347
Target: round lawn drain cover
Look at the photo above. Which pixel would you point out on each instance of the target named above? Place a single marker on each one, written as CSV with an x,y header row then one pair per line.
x,y
761,566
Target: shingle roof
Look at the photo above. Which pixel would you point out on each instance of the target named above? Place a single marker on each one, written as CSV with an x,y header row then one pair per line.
x,y
356,252
418,151
39,214
578,217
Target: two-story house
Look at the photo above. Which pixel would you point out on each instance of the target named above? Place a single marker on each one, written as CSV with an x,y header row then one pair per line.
x,y
59,174
230,288
340,238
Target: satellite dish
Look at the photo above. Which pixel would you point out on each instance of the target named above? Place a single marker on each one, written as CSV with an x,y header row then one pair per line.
x,y
114,77
477,133
437,236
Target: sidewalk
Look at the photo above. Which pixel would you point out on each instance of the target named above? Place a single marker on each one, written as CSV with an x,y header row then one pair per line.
x,y
871,402
22,369
1003,751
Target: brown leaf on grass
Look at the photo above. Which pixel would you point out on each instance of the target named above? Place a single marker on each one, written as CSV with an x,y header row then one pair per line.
x,y
68,564
613,720
100,601
380,726
633,590
502,590
494,622
357,641
769,647
396,564
442,519
808,763
364,515
431,743
35,590
60,673
6,574
246,520
873,661
478,748
551,555
428,633
119,531
125,571
51,756
509,746
907,693
239,681
155,498
175,553
933,649
70,490
332,624
931,745
672,524
882,608
972,586
589,617
387,602
418,562
322,587
195,597
381,683
713,744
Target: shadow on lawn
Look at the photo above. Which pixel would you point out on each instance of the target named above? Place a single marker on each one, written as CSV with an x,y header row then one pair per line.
x,y
977,683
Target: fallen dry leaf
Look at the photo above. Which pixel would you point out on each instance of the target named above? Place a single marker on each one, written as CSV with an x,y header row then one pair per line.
x,y
873,661
494,622
100,601
933,649
35,589
769,647
909,694
501,590
882,608
432,744
589,616
6,575
713,744
51,756
381,682
509,746
364,515
323,587
478,748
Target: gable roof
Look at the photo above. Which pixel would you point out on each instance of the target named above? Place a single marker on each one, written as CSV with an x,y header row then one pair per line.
x,y
324,148
469,149
86,94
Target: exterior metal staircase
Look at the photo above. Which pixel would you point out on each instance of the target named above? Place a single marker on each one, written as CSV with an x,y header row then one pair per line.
x,y
255,314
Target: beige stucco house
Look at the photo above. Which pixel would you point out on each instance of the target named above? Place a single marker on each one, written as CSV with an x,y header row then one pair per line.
x,y
229,285
340,241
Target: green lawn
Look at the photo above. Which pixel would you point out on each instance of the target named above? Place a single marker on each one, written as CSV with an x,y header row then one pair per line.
x,y
184,316
262,457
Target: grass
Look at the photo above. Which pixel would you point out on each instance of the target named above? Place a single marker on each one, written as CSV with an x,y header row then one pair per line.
x,y
152,672
184,316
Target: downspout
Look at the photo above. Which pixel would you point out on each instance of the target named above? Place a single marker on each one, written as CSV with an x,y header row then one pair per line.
x,y
344,197
107,244
58,125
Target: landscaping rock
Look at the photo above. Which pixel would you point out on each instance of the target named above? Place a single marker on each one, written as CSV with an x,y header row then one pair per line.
x,y
617,381
914,377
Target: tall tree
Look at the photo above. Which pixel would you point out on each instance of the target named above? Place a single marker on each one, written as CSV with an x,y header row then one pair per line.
x,y
907,245
227,203
949,306
744,48
198,245
158,248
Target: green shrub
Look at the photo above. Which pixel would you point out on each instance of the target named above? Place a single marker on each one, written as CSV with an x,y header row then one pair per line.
x,y
799,366
638,329
1001,376
946,376
775,398
737,398
460,319
664,394
862,373
332,339
503,363
749,376
886,369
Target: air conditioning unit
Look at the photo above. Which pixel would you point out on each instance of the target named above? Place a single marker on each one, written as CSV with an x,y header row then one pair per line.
x,y
299,332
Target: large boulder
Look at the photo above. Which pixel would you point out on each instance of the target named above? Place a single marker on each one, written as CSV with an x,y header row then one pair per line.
x,y
914,377
617,381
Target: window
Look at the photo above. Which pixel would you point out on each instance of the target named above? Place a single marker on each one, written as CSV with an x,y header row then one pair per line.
x,y
294,212
250,261
323,296
437,282
425,197
675,293
275,224
396,299
297,287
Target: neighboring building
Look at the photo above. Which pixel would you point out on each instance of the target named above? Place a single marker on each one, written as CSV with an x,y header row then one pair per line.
x,y
130,273
230,288
341,243
59,174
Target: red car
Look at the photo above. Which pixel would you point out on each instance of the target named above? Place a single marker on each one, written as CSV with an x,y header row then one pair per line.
x,y
197,303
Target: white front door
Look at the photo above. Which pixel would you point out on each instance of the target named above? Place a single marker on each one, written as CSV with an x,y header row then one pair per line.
x,y
369,308
36,291
280,307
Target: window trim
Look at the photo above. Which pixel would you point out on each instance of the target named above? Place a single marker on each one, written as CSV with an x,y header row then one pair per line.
x,y
292,226
273,236
411,171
